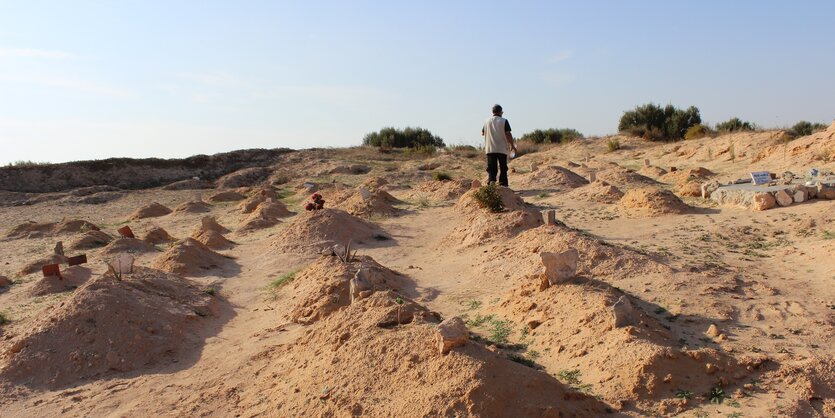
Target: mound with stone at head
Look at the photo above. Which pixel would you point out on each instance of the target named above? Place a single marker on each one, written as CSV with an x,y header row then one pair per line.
x,y
600,192
440,191
194,206
265,215
152,210
313,230
367,202
554,178
189,257
386,367
107,326
480,223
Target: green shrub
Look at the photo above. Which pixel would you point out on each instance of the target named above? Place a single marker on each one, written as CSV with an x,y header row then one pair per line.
x,y
654,123
466,151
283,279
804,128
402,138
551,136
735,125
421,150
441,176
697,131
613,145
489,197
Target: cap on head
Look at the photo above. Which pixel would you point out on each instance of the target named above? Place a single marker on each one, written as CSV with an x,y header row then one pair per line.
x,y
497,109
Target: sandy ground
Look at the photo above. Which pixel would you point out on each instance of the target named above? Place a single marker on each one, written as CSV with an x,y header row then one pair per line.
x,y
764,279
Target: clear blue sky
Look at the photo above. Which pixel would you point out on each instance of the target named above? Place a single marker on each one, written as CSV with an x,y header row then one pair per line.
x,y
95,79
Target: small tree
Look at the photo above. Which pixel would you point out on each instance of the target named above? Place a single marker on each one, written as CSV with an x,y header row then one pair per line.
x,y
551,136
402,138
804,128
734,125
654,123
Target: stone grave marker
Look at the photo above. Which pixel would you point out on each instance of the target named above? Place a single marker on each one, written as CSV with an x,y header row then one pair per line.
x,y
126,232
79,259
761,177
52,270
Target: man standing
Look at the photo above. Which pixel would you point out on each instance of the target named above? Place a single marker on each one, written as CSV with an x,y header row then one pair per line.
x,y
498,142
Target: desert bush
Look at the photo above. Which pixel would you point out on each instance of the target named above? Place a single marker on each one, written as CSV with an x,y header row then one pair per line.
x,y
527,147
735,125
441,176
402,138
804,128
551,136
697,131
613,145
654,123
466,151
420,151
27,164
488,197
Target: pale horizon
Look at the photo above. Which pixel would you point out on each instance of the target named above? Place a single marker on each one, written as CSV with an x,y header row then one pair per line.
x,y
85,81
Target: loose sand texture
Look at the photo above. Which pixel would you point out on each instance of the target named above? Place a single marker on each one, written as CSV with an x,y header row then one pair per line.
x,y
405,297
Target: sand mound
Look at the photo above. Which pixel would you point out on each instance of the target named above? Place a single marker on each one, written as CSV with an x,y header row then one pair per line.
x,y
600,191
189,257
323,287
72,278
157,235
442,190
479,226
365,203
212,239
37,265
265,215
373,183
226,196
90,240
190,184
623,177
209,223
636,359
652,201
812,381
554,178
652,171
107,325
407,376
245,177
259,196
38,230
311,231
152,210
194,206
683,176
128,245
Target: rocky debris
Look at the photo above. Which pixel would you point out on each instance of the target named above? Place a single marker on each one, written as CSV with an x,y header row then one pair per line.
x,y
152,210
451,333
107,326
623,313
799,196
189,184
825,192
157,235
194,206
243,178
783,198
226,196
763,201
652,201
189,257
128,245
560,267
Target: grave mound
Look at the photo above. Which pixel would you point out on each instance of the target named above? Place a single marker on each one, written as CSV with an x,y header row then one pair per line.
x,y
652,171
408,376
72,278
90,240
212,239
441,191
210,223
157,235
365,203
107,326
324,287
47,229
600,191
555,178
265,215
194,206
311,231
226,196
256,198
623,353
152,210
478,226
623,177
37,265
244,177
128,245
652,201
189,257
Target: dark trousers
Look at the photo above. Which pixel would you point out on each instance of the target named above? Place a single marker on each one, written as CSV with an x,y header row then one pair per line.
x,y
497,161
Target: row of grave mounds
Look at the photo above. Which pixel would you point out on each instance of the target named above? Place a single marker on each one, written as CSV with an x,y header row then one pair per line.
x,y
107,325
409,376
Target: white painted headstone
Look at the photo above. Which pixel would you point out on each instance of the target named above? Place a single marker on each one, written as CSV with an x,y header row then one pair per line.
x,y
761,177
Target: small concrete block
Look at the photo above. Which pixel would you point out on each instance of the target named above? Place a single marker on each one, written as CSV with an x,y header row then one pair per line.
x,y
549,217
52,270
